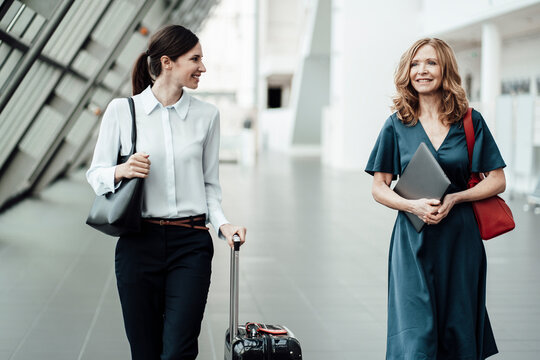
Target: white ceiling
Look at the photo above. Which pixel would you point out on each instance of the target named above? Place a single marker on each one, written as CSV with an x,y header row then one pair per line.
x,y
522,23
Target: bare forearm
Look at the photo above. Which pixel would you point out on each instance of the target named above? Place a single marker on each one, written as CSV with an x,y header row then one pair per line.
x,y
383,194
118,173
387,197
493,184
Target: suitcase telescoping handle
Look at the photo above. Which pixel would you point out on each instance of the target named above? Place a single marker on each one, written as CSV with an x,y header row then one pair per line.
x,y
233,307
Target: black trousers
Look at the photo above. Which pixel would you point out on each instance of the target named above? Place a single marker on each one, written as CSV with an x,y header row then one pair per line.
x,y
163,276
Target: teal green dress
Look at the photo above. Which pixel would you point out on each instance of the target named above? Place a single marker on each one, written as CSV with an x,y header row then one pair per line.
x,y
437,277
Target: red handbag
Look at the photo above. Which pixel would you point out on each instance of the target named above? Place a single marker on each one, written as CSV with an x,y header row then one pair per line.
x,y
492,214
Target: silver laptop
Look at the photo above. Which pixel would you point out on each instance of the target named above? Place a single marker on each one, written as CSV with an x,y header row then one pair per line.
x,y
422,178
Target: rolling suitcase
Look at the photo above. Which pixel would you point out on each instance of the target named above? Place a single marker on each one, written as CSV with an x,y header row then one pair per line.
x,y
255,341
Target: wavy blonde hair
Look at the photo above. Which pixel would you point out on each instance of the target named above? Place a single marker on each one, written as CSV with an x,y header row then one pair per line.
x,y
454,102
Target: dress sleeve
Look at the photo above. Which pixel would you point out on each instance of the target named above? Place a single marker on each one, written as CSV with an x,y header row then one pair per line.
x,y
385,154
486,154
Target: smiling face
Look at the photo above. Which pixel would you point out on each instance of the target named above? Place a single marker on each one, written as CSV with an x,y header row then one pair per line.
x,y
187,68
425,71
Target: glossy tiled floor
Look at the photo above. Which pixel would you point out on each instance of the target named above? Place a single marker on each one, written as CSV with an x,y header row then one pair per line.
x,y
315,260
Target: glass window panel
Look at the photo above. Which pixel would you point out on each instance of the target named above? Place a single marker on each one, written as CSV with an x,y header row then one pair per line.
x,y
35,27
45,8
114,22
135,45
82,127
24,105
74,29
63,32
85,63
126,89
21,23
42,133
101,98
153,18
113,79
70,88
9,66
10,15
5,50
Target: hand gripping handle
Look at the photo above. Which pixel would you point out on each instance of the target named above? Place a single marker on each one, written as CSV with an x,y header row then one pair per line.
x,y
233,307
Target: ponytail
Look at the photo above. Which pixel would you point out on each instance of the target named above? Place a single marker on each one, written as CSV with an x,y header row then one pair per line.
x,y
140,76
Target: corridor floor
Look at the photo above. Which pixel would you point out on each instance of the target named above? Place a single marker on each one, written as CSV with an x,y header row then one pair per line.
x,y
315,261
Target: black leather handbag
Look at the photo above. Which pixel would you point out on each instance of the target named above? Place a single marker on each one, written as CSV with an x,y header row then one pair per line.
x,y
119,213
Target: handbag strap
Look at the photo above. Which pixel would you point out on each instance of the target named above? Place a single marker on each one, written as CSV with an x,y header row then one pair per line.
x,y
133,126
469,134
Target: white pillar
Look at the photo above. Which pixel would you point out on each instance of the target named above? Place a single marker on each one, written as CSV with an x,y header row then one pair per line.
x,y
247,53
490,72
367,41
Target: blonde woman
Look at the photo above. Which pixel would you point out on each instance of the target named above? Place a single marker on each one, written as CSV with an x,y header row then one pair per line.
x,y
437,277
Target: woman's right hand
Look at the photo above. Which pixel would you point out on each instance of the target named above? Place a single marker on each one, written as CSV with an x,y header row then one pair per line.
x,y
424,207
138,165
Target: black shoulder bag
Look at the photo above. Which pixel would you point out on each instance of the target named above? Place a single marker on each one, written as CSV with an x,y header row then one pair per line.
x,y
119,213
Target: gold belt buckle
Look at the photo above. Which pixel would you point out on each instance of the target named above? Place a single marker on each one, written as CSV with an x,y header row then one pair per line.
x,y
162,222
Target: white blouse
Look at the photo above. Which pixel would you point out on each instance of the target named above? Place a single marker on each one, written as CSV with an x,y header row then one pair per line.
x,y
183,143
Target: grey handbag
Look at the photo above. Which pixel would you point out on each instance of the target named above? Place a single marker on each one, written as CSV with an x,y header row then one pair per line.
x,y
119,213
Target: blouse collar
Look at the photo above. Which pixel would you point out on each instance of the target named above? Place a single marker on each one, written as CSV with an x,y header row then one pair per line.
x,y
150,102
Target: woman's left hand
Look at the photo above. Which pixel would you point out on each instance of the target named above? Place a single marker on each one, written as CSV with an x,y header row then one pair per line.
x,y
228,230
448,203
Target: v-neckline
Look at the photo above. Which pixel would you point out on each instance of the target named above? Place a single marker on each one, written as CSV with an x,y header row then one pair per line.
x,y
429,140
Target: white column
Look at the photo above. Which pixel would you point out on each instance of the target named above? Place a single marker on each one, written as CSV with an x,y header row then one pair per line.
x,y
262,27
367,41
490,73
247,53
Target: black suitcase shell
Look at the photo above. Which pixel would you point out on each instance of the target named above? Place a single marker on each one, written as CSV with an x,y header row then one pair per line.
x,y
262,347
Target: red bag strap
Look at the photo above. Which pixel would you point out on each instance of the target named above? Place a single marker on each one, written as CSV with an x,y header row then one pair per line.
x,y
469,133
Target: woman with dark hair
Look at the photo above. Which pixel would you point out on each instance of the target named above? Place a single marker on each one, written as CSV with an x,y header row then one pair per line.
x,y
437,277
163,272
